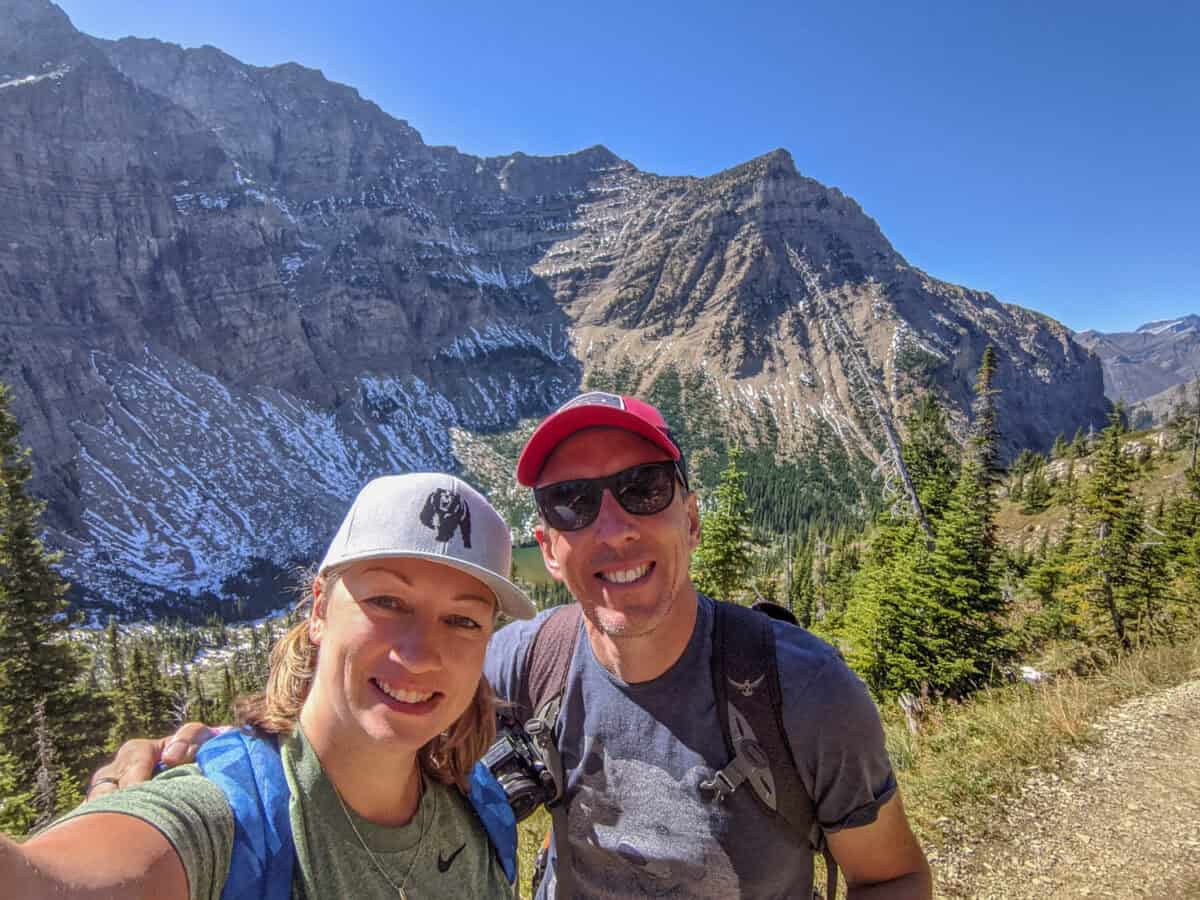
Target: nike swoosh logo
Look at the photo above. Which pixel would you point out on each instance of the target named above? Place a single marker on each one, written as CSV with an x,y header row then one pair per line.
x,y
445,862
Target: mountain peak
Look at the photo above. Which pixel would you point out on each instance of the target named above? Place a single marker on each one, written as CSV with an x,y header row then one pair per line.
x,y
1170,326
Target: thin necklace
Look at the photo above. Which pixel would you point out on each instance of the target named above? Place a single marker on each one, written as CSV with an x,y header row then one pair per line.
x,y
398,888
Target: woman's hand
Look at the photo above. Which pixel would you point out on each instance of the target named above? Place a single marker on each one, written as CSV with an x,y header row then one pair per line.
x,y
137,759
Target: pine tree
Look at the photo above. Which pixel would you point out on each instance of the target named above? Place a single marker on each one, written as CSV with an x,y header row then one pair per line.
x,y
18,808
37,664
721,564
802,591
881,627
1079,445
1037,491
960,590
933,610
1102,561
985,431
1060,448
930,454
114,657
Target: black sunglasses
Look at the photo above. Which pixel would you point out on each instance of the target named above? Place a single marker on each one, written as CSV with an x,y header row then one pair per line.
x,y
641,490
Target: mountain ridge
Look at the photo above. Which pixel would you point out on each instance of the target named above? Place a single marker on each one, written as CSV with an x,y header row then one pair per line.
x,y
1153,358
231,294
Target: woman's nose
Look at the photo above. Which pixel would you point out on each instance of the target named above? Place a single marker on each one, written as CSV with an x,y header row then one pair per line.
x,y
416,648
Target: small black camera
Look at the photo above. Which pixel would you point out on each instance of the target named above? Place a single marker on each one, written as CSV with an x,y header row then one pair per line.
x,y
516,762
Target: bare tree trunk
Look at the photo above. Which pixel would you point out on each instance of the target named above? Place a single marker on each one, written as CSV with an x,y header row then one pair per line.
x,y
45,799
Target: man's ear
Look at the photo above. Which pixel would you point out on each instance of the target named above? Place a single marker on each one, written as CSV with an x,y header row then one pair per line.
x,y
547,548
693,514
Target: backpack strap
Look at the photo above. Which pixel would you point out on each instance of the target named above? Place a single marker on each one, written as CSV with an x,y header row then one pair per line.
x,y
745,673
490,804
544,681
249,771
549,657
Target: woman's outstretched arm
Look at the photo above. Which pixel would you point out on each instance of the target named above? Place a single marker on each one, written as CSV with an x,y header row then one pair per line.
x,y
93,857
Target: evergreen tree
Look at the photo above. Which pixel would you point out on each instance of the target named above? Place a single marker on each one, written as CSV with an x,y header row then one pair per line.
x,y
114,658
37,664
721,564
1102,563
927,616
1060,448
1079,445
959,590
1053,618
881,627
228,692
1017,492
930,454
985,430
1066,490
18,808
1037,492
1145,596
802,590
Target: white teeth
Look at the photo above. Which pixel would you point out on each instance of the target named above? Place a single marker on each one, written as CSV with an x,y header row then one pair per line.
x,y
402,696
624,576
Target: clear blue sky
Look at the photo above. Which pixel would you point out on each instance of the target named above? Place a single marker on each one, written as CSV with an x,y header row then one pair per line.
x,y
1046,152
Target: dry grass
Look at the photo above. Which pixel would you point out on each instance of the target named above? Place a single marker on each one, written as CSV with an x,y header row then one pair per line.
x,y
970,759
530,834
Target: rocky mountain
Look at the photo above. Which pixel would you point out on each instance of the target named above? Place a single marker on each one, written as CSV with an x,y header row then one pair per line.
x,y
1139,364
1158,409
229,294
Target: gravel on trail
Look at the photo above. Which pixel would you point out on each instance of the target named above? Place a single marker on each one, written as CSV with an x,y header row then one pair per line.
x,y
1120,819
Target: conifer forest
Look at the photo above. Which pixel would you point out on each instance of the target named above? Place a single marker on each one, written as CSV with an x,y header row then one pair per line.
x,y
937,574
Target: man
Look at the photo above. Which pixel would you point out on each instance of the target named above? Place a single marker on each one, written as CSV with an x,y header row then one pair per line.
x,y
640,736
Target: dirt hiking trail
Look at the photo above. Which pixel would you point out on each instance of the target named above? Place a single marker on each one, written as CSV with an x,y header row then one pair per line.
x,y
1121,819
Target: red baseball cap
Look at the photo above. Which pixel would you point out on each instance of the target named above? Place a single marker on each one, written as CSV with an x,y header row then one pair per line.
x,y
595,409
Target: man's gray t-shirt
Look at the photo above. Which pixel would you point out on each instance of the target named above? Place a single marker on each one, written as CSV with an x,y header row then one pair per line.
x,y
635,755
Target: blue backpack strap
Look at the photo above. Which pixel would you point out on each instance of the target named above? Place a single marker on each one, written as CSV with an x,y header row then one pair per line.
x,y
249,770
488,800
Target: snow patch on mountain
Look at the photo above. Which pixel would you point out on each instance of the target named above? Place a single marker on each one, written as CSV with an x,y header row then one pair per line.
x,y
184,480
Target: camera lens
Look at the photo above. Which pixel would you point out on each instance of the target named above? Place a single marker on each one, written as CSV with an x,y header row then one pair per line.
x,y
524,796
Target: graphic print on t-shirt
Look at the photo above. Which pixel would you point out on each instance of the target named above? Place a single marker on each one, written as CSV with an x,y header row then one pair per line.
x,y
662,837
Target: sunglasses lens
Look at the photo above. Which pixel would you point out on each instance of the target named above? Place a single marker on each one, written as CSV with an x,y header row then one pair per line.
x,y
569,505
645,490
642,491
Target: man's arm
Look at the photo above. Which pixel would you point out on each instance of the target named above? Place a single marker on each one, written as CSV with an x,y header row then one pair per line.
x,y
136,760
883,859
103,856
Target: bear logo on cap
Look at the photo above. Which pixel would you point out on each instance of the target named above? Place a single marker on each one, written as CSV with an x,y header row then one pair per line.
x,y
446,512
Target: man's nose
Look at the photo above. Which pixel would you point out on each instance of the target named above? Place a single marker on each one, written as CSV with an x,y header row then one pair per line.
x,y
613,524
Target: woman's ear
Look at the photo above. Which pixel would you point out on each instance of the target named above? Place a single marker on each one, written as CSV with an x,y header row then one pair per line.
x,y
316,616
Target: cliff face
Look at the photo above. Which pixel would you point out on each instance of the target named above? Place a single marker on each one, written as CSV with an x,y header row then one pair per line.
x,y
230,294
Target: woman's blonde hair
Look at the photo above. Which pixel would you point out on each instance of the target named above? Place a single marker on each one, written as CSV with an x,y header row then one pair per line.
x,y
447,758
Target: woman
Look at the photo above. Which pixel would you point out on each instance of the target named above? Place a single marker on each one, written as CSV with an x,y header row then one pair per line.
x,y
380,711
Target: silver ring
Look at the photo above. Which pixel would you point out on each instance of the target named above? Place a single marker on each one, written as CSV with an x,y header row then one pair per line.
x,y
105,779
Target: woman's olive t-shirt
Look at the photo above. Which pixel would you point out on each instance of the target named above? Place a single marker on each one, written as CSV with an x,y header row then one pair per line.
x,y
454,860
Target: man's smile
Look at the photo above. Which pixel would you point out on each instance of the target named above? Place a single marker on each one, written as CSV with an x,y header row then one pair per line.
x,y
626,575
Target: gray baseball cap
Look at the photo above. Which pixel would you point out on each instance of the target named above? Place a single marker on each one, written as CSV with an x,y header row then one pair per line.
x,y
430,516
